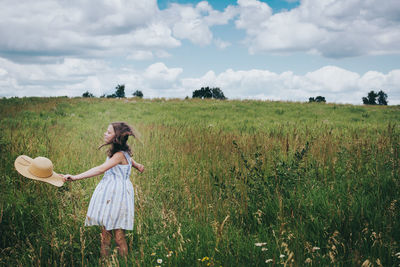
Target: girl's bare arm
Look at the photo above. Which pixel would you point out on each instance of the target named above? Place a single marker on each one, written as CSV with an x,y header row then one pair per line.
x,y
113,161
137,166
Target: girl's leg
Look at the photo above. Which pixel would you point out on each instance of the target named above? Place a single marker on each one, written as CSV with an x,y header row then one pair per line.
x,y
121,242
105,242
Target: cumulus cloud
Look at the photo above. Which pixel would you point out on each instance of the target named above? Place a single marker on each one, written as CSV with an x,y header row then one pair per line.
x,y
340,28
141,55
194,22
74,76
47,31
50,47
148,55
336,84
159,76
64,28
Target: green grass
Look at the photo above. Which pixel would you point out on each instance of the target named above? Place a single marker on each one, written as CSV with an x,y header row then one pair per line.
x,y
318,183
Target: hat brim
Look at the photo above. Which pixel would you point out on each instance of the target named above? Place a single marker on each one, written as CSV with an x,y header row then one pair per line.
x,y
22,164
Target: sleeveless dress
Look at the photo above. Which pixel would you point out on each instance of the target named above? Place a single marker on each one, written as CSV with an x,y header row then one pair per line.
x,y
112,202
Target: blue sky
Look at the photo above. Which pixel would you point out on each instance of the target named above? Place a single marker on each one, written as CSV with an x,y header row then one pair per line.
x,y
274,50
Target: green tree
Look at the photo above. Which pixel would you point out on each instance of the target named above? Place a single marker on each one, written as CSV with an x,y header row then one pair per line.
x,y
370,99
87,94
318,99
382,98
207,92
217,93
120,91
138,93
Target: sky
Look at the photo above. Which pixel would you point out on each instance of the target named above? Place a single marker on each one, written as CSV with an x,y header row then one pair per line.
x,y
280,50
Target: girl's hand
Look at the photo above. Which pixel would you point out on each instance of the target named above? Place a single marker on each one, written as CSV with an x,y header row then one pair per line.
x,y
68,177
140,167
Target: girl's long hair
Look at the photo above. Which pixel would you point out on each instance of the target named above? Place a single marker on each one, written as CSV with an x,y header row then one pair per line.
x,y
119,142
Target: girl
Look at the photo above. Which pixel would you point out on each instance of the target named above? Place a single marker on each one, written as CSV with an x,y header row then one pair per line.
x,y
112,202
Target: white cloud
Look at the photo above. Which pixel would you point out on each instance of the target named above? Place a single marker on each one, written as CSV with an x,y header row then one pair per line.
x,y
32,30
159,76
148,55
332,79
252,13
67,45
194,22
155,35
141,55
333,28
74,76
336,84
162,54
47,31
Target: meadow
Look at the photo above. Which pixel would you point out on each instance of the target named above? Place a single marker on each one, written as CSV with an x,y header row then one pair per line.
x,y
227,183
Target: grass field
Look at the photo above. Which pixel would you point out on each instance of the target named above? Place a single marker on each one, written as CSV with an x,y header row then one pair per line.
x,y
227,183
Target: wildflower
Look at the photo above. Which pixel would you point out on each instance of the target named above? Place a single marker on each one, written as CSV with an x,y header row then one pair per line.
x,y
315,248
205,259
268,261
366,263
169,254
397,255
153,254
159,261
308,260
281,256
264,249
260,244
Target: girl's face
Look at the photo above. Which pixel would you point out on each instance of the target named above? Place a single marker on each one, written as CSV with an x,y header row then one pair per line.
x,y
109,134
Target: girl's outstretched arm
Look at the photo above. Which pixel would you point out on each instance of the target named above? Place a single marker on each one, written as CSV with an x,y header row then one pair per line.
x,y
116,159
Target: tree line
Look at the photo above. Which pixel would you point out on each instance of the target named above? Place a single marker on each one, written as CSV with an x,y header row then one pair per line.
x,y
119,93
203,92
372,98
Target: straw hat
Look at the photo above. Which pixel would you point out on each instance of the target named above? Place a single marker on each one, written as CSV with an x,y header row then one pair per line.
x,y
40,168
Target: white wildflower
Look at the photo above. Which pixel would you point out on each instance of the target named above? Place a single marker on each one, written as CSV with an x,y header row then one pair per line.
x,y
260,244
281,256
268,261
315,248
159,261
264,249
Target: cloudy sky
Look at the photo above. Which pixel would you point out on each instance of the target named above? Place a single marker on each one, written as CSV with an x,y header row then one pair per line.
x,y
271,49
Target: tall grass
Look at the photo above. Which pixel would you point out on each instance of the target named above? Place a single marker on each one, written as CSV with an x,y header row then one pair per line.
x,y
227,183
